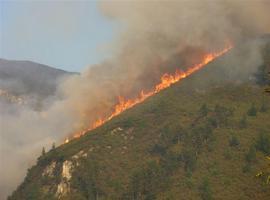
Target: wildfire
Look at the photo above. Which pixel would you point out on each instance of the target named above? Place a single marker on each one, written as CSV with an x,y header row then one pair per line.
x,y
166,81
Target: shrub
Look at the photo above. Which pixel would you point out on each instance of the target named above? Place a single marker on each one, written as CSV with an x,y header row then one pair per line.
x,y
222,114
251,154
203,110
263,107
252,111
243,122
263,143
246,168
234,141
205,190
189,158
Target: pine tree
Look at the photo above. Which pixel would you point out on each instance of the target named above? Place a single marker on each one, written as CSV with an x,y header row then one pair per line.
x,y
53,146
252,111
204,110
43,151
243,122
263,107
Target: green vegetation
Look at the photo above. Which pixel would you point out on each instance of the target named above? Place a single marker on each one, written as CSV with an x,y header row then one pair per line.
x,y
187,142
205,190
263,143
252,111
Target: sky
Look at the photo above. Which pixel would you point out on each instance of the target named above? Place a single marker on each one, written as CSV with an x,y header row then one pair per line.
x,y
63,34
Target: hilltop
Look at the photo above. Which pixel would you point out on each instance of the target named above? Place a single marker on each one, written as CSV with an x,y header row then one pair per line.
x,y
205,137
30,80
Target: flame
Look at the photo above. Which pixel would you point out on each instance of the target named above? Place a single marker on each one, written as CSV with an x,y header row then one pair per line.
x,y
166,81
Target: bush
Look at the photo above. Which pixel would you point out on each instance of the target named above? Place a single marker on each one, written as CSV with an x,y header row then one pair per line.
x,y
263,143
246,168
205,190
243,122
234,141
252,111
251,155
222,114
189,158
203,110
263,107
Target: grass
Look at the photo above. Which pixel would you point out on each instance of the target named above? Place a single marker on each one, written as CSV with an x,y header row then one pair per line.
x,y
168,137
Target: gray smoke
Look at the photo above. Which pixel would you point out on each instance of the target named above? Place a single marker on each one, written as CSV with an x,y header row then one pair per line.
x,y
154,37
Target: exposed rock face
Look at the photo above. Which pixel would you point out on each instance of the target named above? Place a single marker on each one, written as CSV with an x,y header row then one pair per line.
x,y
49,170
64,186
66,172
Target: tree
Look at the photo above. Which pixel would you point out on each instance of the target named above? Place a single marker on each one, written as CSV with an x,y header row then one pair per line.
x,y
263,106
43,151
205,190
203,110
251,154
263,143
53,146
243,122
252,111
234,141
189,158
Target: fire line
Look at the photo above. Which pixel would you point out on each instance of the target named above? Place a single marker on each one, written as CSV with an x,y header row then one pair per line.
x,y
166,81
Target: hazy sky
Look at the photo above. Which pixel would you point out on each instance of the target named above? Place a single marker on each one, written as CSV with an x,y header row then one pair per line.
x,y
63,34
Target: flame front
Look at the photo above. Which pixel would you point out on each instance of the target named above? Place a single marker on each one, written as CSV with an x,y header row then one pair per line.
x,y
166,81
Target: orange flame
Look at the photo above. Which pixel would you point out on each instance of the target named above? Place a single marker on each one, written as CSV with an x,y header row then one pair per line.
x,y
166,81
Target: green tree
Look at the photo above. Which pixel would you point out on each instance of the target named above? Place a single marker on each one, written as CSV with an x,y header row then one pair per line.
x,y
205,190
251,154
234,141
53,146
263,143
190,159
252,111
243,122
203,110
263,106
43,151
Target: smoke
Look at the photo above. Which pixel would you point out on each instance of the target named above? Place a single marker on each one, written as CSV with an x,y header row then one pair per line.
x,y
154,37
161,36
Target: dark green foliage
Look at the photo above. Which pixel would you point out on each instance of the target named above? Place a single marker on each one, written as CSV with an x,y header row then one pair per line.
x,y
85,180
246,168
251,154
252,111
243,122
53,146
222,114
263,143
201,134
234,141
158,150
213,122
189,159
261,76
146,182
43,151
170,162
205,190
203,110
263,106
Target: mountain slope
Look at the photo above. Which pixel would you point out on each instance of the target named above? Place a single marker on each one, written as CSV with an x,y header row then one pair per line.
x,y
28,78
199,139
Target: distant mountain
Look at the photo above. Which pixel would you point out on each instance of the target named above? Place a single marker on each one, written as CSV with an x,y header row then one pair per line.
x,y
203,138
29,78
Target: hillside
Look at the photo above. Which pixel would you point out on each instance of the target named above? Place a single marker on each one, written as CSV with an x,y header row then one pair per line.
x,y
203,138
28,79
